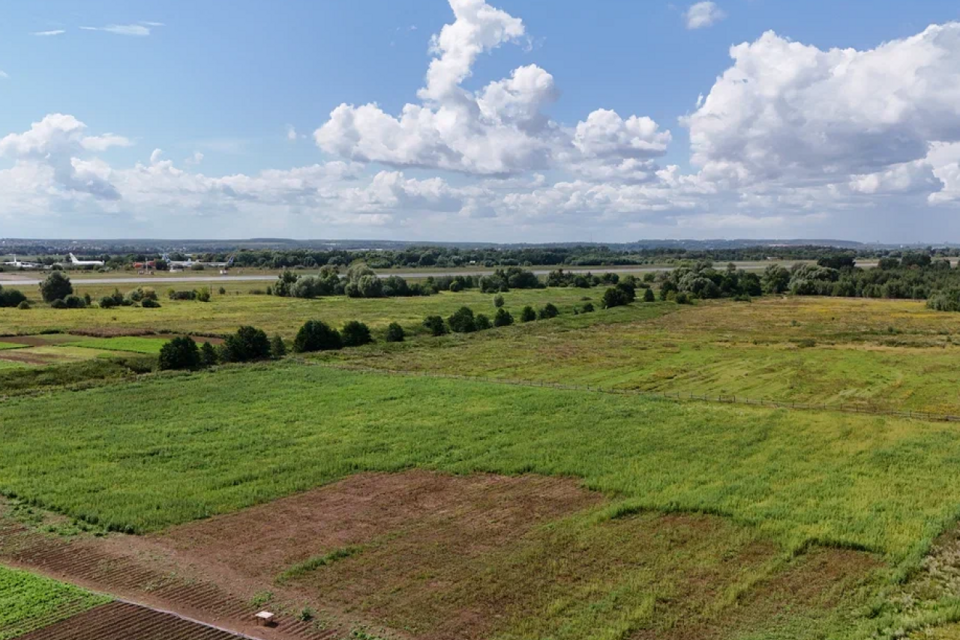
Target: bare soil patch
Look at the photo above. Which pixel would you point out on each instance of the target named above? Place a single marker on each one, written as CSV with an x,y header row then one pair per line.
x,y
436,557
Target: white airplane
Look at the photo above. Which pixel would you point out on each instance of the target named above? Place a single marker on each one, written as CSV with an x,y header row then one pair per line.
x,y
189,262
85,263
17,264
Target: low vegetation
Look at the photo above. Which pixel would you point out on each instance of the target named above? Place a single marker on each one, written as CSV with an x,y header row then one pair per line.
x,y
28,602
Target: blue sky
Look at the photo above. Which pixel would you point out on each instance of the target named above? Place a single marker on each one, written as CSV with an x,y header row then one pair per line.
x,y
229,82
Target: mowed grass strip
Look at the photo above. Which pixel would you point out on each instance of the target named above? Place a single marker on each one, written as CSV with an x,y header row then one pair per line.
x,y
132,344
30,602
10,345
142,456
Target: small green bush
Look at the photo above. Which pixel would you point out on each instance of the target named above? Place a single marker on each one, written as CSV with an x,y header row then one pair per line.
x,y
179,353
548,311
355,334
316,335
395,333
528,314
435,325
502,318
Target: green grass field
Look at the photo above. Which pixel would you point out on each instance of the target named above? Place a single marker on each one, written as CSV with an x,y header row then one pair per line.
x,y
149,346
223,314
29,602
165,452
875,354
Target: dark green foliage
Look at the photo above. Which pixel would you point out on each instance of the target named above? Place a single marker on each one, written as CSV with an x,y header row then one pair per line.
x,y
355,334
435,325
528,314
462,321
58,304
107,302
588,307
548,311
277,348
182,295
316,335
614,297
11,297
149,303
23,305
511,278
208,355
203,295
683,298
248,343
502,318
395,333
179,353
648,295
56,287
482,322
498,301
74,302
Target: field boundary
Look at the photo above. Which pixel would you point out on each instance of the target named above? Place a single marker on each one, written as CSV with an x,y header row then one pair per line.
x,y
678,396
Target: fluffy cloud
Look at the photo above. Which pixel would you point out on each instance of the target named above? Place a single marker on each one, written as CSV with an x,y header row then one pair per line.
x,y
789,112
56,142
703,14
499,130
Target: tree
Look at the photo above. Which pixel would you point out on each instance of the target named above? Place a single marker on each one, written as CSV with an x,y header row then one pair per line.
x,y
149,303
355,334
502,318
648,295
614,297
528,314
316,335
56,287
776,279
395,333
11,297
498,301
208,355
180,353
277,348
462,321
248,343
548,311
588,307
482,322
435,325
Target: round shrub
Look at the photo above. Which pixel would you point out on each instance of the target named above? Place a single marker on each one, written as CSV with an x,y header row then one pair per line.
x,y
58,304
277,348
56,287
149,303
587,308
23,305
549,311
648,295
208,355
355,334
395,333
528,314
482,322
502,318
180,353
498,301
248,343
316,335
435,325
462,321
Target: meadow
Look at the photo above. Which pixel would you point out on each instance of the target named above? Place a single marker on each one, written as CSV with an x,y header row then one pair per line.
x,y
29,602
224,313
164,451
872,354
144,454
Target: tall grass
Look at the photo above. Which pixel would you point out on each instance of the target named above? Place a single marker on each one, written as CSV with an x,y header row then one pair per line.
x,y
143,456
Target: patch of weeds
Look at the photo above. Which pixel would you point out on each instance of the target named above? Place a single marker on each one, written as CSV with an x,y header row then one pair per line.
x,y
314,563
261,598
305,615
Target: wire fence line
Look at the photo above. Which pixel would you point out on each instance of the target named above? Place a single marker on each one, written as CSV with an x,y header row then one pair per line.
x,y
665,395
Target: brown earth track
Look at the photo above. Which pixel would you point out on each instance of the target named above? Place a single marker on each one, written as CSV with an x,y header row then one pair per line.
x,y
122,621
38,340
